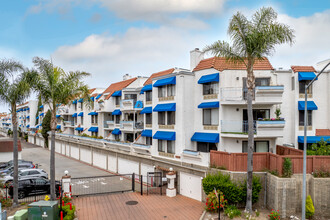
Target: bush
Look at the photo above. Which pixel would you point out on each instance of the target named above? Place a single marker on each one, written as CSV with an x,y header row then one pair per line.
x,y
287,167
212,203
232,211
235,192
320,148
274,215
9,132
321,173
67,213
309,207
6,202
26,138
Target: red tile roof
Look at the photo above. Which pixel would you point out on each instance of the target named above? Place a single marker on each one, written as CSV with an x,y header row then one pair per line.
x,y
303,69
118,86
91,90
322,132
6,145
162,73
220,63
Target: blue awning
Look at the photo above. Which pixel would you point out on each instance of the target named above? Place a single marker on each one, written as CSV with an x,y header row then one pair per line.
x,y
57,116
28,116
58,127
146,133
313,139
98,96
79,129
42,114
93,129
146,110
92,98
81,114
306,76
167,81
37,117
74,101
209,105
146,88
165,135
209,78
310,105
27,109
74,115
138,104
170,107
81,100
116,112
93,113
37,126
206,137
28,126
116,131
41,106
116,94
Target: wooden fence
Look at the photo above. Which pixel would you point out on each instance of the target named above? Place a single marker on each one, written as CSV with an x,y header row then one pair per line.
x,y
281,150
267,161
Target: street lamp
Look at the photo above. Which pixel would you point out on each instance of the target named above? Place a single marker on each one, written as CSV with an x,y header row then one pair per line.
x,y
305,145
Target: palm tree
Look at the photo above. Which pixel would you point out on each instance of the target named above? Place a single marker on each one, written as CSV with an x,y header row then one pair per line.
x,y
252,40
54,87
13,92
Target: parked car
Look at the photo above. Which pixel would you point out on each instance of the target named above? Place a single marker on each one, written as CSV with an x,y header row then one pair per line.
x,y
26,173
33,186
10,168
11,162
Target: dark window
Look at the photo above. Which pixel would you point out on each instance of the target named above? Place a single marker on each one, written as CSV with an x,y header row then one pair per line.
x,y
148,95
301,118
171,118
34,172
40,182
171,147
118,98
94,133
117,119
257,113
148,140
129,137
117,137
149,118
211,116
210,88
161,146
206,147
302,87
75,107
161,118
170,90
82,120
131,96
259,146
258,82
161,91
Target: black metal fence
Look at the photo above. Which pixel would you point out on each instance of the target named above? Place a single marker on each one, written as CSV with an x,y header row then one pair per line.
x,y
102,184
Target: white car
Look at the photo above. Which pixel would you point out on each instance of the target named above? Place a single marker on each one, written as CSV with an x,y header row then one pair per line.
x,y
26,173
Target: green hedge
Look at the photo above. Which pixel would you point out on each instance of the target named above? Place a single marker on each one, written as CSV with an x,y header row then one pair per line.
x,y
234,192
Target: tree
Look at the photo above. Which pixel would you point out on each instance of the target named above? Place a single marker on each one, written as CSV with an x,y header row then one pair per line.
x,y
252,40
13,92
46,127
55,86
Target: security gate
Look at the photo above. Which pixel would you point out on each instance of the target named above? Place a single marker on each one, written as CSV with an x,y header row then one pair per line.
x,y
154,183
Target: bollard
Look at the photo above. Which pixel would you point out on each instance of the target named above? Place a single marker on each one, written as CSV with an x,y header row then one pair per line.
x,y
62,202
70,206
61,215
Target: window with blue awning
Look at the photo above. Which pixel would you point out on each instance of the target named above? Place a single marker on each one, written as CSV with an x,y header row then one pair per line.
x,y
93,113
170,107
146,133
313,139
164,135
205,137
93,129
28,126
310,105
209,105
167,81
57,116
98,96
209,78
28,116
81,100
306,76
74,101
74,115
146,88
116,112
37,117
116,94
116,131
42,114
81,114
58,127
41,106
79,129
146,110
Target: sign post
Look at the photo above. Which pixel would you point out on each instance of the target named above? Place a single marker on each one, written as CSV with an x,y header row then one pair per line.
x,y
218,196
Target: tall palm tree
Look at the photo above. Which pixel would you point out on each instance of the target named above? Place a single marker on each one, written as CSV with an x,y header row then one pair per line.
x,y
54,87
252,40
14,91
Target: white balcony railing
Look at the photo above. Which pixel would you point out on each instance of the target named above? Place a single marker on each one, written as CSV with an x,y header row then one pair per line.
x,y
130,104
69,123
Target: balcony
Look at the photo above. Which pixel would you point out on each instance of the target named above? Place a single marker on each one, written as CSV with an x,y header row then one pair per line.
x,y
131,104
131,125
262,95
270,129
109,124
68,123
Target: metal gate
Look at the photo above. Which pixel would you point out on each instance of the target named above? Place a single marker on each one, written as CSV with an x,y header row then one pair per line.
x,y
102,184
155,183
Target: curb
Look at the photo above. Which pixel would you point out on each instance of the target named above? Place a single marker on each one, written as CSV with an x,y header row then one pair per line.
x,y
202,216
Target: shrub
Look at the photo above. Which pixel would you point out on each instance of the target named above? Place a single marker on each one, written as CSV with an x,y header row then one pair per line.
x,y
6,202
320,148
212,202
26,137
9,132
100,137
287,167
67,213
232,211
235,192
309,207
274,215
321,173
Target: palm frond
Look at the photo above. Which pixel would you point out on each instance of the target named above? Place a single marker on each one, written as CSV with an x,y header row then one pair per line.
x,y
8,66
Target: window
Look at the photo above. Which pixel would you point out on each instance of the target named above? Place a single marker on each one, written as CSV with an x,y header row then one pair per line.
x,y
40,182
302,87
94,133
34,172
75,121
257,113
75,107
148,140
166,91
206,147
94,119
161,118
81,120
149,118
131,96
262,81
211,116
82,106
117,137
259,146
148,95
117,99
309,120
129,137
170,147
171,118
161,91
24,173
161,146
170,90
117,119
210,88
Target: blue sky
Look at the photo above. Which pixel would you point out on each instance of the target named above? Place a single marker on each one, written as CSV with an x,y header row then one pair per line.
x,y
110,38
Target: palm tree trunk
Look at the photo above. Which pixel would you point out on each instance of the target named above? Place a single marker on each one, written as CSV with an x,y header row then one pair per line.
x,y
250,85
15,157
52,156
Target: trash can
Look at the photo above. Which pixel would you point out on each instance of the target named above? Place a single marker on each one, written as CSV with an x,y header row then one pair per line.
x,y
21,215
43,210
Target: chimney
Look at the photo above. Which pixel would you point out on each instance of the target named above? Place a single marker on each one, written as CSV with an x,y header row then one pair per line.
x,y
127,76
195,57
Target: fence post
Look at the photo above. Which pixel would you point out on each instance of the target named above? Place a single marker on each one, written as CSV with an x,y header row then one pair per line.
x,y
141,180
133,182
66,182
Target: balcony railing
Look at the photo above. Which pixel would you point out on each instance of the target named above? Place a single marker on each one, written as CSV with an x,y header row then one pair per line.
x,y
69,123
109,124
130,104
240,127
131,125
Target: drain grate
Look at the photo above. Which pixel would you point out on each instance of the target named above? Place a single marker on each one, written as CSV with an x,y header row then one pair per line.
x,y
131,202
